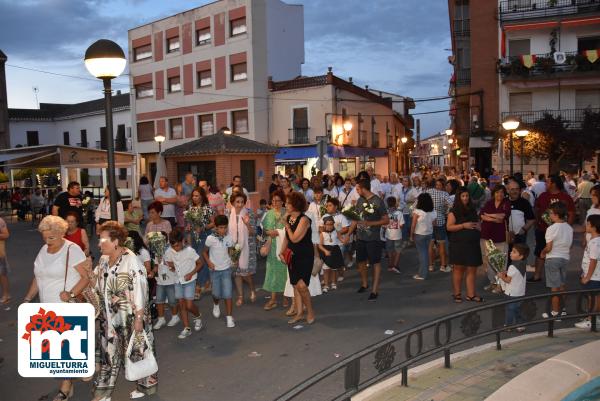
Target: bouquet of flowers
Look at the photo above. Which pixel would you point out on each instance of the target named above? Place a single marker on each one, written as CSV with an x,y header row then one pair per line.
x,y
197,217
234,253
157,244
546,218
351,213
496,258
226,198
129,244
367,209
322,210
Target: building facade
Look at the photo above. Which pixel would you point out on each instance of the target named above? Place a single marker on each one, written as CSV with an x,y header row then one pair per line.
x,y
199,71
362,128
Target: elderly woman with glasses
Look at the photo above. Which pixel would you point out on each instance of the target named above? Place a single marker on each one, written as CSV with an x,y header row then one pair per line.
x,y
60,272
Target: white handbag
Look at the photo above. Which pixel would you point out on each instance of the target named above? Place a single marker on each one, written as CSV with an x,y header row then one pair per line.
x,y
143,368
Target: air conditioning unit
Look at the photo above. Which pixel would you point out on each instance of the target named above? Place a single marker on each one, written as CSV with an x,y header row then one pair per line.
x,y
560,57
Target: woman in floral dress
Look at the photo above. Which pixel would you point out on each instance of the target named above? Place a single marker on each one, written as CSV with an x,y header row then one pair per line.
x,y
198,231
123,289
242,223
276,275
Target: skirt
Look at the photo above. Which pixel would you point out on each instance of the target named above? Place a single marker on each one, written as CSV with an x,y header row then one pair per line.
x,y
335,260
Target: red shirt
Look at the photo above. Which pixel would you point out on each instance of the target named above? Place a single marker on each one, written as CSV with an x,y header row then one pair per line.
x,y
495,231
543,202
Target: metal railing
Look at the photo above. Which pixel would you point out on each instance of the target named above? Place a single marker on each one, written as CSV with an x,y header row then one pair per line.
x,y
298,136
510,10
463,77
572,117
544,64
439,336
462,27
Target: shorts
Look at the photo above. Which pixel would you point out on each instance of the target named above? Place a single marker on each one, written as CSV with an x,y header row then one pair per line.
x,y
592,285
185,291
164,293
369,251
393,245
4,266
222,287
540,242
555,270
439,233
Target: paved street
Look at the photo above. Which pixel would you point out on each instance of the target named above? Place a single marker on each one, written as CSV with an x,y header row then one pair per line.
x,y
263,356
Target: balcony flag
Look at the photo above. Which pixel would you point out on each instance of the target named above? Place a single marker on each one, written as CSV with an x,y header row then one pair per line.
x,y
592,55
528,60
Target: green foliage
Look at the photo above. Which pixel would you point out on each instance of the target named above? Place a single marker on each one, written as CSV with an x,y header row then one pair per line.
x,y
3,177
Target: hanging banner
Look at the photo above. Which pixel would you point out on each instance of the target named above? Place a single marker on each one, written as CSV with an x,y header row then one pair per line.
x,y
592,55
528,60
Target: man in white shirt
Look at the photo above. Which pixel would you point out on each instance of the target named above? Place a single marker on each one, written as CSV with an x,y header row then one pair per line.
x,y
235,182
348,195
168,197
395,188
375,183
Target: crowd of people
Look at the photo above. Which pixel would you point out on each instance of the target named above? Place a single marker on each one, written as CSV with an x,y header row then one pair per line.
x,y
173,244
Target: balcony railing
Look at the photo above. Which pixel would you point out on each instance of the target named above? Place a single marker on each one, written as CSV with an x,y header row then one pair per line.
x,y
544,64
298,136
362,138
572,117
462,27
463,77
511,10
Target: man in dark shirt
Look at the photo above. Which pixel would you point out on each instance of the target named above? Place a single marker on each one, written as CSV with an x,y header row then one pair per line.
x,y
274,183
369,245
521,214
69,201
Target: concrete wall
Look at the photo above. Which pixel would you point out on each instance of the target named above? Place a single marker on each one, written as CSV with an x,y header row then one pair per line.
x,y
285,39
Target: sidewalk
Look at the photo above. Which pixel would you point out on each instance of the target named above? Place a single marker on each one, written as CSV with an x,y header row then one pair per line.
x,y
477,375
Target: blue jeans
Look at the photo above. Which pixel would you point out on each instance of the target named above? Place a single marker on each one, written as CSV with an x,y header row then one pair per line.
x,y
198,245
422,244
513,313
406,226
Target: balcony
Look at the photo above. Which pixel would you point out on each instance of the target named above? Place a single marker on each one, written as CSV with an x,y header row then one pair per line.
x,y
544,66
515,10
463,77
572,117
462,27
298,136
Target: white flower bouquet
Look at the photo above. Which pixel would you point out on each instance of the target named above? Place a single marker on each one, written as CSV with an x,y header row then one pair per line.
x,y
234,253
496,258
351,213
197,218
157,244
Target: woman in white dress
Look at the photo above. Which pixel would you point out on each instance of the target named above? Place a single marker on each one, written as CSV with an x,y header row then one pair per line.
x,y
61,272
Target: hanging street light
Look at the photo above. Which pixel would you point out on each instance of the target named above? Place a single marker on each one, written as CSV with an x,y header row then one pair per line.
x,y
105,60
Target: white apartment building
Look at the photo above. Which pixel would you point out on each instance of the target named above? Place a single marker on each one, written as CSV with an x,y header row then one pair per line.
x,y
547,65
201,70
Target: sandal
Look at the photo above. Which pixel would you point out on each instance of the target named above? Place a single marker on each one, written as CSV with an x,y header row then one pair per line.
x,y
457,298
290,312
5,301
252,296
431,269
474,298
240,300
60,396
296,320
270,306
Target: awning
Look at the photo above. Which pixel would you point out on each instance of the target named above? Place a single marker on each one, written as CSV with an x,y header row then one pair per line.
x,y
296,152
290,162
11,156
16,162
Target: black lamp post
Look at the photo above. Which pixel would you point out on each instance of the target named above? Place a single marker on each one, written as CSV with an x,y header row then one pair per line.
x,y
105,60
510,125
522,133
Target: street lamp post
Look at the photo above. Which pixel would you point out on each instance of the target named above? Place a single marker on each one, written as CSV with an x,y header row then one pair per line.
x,y
159,138
404,155
510,125
522,133
105,60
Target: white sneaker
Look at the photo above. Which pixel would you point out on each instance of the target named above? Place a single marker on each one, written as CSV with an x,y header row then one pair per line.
x,y
230,322
545,315
325,289
216,311
334,286
174,320
340,279
197,323
160,323
186,332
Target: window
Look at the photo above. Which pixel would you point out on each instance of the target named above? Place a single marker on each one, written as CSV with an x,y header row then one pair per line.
x,y
142,53
174,84
238,26
101,144
145,131
85,177
207,170
33,138
66,138
514,5
84,142
122,174
520,102
176,128
248,174
589,43
203,36
121,140
206,124
519,47
238,72
204,78
173,44
587,98
144,90
240,121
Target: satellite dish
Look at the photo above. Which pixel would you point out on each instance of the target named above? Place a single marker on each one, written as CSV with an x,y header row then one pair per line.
x,y
560,57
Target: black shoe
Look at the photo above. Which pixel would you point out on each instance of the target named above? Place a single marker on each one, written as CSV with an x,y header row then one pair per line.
x,y
362,289
373,296
534,280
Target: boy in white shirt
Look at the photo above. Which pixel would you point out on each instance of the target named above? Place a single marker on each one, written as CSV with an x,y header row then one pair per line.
x,y
590,272
559,237
216,254
165,292
393,234
331,253
185,262
513,283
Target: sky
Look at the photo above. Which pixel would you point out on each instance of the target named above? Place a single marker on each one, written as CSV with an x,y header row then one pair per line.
x,y
399,46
